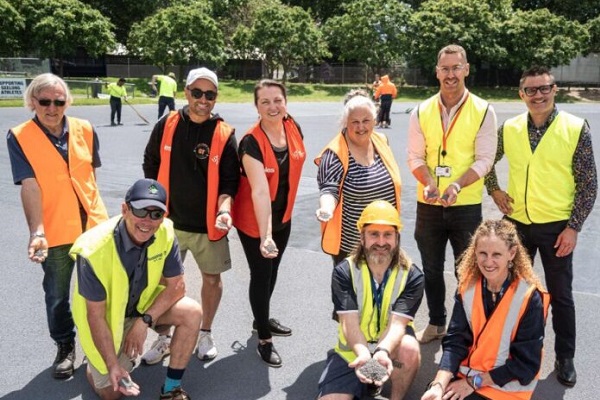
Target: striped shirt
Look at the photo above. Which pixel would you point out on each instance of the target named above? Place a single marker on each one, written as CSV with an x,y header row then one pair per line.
x,y
362,185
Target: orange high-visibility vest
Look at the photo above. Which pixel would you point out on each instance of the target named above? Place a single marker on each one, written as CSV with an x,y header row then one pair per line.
x,y
64,186
244,217
220,137
332,230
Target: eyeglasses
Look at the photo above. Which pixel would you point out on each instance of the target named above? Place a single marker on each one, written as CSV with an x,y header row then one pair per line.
x,y
455,69
47,102
143,213
209,94
532,90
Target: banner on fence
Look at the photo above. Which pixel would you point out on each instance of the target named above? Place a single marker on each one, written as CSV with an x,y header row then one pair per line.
x,y
11,88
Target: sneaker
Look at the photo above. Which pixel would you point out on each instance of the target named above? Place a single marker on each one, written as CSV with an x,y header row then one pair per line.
x,y
175,394
65,358
206,346
276,328
160,349
267,352
432,332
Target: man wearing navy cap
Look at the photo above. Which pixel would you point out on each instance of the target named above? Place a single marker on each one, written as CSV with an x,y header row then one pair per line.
x,y
129,279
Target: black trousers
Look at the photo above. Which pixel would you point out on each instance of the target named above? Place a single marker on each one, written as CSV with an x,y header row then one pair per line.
x,y
115,108
558,272
263,276
164,102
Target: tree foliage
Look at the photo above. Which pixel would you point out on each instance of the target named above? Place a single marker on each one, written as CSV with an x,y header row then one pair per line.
x,y
578,10
287,36
473,24
321,9
11,26
542,38
178,35
57,28
370,31
593,28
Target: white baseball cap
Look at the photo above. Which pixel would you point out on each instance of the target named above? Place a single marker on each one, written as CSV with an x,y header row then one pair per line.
x,y
202,73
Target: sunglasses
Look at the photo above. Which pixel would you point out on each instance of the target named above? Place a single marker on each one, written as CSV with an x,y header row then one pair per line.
x,y
143,213
544,89
47,102
209,94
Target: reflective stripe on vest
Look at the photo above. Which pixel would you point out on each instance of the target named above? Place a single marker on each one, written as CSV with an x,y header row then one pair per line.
x,y
64,186
460,145
492,338
244,217
98,247
542,183
220,137
361,282
332,230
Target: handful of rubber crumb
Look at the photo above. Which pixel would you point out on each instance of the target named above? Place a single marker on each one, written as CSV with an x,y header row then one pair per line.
x,y
373,370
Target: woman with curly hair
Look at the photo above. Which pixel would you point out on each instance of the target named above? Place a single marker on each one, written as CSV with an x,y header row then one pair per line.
x,y
493,349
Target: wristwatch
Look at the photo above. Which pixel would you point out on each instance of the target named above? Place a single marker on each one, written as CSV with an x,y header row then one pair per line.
x,y
147,318
477,382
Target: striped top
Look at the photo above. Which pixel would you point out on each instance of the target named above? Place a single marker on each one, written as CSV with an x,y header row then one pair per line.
x,y
362,185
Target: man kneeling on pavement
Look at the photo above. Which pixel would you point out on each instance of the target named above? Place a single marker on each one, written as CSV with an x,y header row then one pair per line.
x,y
376,293
130,278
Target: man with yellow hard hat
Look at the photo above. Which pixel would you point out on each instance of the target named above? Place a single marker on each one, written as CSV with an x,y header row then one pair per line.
x,y
376,293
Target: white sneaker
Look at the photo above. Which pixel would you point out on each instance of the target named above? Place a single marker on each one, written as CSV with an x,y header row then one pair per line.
x,y
206,346
159,350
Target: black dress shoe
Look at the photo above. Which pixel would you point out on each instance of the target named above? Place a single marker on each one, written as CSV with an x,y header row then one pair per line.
x,y
565,371
267,352
276,328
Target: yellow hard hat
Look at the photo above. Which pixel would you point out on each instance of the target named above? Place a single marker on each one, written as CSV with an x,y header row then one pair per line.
x,y
379,212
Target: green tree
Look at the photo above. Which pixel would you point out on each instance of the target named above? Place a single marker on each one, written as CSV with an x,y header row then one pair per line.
x,y
178,35
474,24
124,13
593,28
542,38
287,36
321,9
11,26
579,10
57,28
370,31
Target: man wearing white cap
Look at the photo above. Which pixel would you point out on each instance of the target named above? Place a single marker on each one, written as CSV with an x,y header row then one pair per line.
x,y
193,154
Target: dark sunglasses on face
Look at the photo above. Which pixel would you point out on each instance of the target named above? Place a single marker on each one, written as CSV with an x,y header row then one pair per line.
x,y
544,89
47,102
209,94
143,213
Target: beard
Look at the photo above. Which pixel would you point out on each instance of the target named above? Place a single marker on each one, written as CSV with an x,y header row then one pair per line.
x,y
380,255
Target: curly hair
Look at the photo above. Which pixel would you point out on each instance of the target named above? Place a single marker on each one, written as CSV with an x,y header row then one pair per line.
x,y
468,270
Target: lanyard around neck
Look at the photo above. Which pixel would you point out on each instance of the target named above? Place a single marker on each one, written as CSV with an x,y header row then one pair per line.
x,y
446,133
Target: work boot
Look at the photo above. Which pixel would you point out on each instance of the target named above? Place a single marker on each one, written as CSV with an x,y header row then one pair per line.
x,y
565,371
65,358
432,332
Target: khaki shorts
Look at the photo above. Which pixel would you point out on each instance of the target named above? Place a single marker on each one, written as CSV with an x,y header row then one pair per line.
x,y
102,381
212,257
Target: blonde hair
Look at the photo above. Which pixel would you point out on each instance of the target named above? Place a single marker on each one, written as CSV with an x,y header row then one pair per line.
x,y
468,270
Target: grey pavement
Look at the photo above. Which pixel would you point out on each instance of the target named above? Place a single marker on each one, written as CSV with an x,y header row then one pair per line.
x,y
302,296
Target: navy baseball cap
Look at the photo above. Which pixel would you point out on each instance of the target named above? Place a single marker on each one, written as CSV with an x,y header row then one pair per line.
x,y
147,193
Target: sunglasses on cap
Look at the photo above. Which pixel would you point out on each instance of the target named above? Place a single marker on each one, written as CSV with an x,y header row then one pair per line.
x,y
209,94
143,213
47,102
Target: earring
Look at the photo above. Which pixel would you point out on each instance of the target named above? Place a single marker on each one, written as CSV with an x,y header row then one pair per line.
x,y
510,264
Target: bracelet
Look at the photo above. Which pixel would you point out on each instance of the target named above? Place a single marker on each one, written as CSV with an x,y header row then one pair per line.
x,y
456,186
386,351
433,383
223,212
37,235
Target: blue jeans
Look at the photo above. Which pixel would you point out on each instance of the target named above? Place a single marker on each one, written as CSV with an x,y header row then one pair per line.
x,y
58,269
558,272
436,225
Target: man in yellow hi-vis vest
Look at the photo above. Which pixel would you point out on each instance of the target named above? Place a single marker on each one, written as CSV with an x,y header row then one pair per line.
x,y
130,278
376,294
552,187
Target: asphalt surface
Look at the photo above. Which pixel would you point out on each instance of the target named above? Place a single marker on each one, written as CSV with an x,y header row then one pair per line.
x,y
302,296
